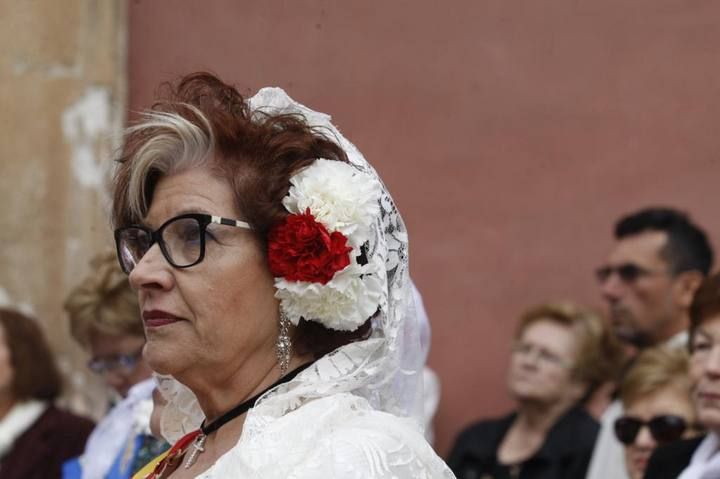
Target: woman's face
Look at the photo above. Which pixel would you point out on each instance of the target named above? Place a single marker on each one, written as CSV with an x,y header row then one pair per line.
x,y
7,372
705,372
542,362
219,318
119,359
673,399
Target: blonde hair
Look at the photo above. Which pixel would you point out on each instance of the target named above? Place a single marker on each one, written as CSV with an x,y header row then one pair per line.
x,y
599,353
103,302
654,369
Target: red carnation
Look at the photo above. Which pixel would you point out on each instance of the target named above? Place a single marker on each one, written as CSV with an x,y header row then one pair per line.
x,y
301,249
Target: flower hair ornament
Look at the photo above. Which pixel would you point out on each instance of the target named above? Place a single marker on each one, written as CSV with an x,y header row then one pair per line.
x,y
316,254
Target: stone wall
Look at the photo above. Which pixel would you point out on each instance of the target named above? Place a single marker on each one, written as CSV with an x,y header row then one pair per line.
x,y
62,103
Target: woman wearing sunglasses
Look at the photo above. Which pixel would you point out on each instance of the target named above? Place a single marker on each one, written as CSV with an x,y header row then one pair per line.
x,y
658,407
698,458
271,266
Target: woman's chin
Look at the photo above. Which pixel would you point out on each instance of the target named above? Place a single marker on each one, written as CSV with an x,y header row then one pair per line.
x,y
164,361
710,418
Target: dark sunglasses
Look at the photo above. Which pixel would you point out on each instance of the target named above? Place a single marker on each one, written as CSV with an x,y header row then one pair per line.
x,y
663,429
627,272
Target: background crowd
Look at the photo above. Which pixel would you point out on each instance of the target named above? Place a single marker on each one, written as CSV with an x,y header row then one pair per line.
x,y
655,286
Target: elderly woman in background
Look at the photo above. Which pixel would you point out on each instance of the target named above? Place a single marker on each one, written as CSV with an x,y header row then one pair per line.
x,y
699,457
561,354
105,320
35,436
657,404
271,268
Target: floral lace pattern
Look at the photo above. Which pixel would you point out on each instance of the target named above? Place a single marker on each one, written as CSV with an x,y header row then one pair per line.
x,y
338,436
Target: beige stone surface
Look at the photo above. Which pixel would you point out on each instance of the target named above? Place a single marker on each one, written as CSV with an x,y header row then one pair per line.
x,y
62,105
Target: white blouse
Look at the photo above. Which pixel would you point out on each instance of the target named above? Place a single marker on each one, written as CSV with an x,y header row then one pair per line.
x,y
338,436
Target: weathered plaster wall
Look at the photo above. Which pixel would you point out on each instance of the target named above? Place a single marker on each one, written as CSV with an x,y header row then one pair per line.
x,y
62,102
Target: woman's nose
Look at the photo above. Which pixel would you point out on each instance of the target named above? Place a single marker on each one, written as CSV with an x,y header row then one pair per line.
x,y
151,271
644,439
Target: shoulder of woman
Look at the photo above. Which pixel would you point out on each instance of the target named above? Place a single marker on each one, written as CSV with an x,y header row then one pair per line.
x,y
574,433
67,421
485,432
341,436
577,420
376,446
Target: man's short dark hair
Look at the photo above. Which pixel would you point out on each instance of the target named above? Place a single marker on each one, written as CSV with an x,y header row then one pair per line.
x,y
687,248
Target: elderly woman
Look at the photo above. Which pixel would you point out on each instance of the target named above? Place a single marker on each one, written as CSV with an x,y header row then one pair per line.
x,y
657,405
561,354
271,268
35,436
698,458
105,320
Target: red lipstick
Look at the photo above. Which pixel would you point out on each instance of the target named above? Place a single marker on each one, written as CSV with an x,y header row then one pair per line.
x,y
156,318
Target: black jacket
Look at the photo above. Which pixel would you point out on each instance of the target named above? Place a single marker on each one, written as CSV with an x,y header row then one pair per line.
x,y
668,461
565,454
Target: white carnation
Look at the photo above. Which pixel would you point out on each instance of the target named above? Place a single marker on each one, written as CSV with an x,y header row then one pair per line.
x,y
340,197
343,304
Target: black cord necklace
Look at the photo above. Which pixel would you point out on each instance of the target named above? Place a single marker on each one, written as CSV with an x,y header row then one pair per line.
x,y
242,408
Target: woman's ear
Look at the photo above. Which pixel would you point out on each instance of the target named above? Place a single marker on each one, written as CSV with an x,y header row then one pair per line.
x,y
684,287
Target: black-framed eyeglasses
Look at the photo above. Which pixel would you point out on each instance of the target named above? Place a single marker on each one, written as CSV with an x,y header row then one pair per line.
x,y
627,272
125,363
181,240
663,429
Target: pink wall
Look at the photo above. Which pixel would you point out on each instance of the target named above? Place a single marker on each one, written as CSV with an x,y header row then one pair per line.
x,y
512,134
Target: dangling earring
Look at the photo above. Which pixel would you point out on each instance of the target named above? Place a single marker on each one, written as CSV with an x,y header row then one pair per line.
x,y
283,344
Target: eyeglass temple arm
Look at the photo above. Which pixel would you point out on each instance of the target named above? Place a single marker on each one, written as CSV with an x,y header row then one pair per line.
x,y
226,221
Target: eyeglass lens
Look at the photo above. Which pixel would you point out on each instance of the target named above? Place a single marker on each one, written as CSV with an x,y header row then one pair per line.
x,y
181,242
124,362
663,429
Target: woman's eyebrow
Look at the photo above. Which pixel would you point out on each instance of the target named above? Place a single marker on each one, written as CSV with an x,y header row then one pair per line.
x,y
181,211
191,209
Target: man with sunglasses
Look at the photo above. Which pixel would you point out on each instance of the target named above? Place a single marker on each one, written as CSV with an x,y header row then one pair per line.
x,y
648,281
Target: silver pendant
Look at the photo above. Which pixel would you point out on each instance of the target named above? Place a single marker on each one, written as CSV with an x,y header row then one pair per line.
x,y
198,447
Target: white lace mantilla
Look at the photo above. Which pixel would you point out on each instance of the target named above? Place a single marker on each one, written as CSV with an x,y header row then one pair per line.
x,y
356,412
338,436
